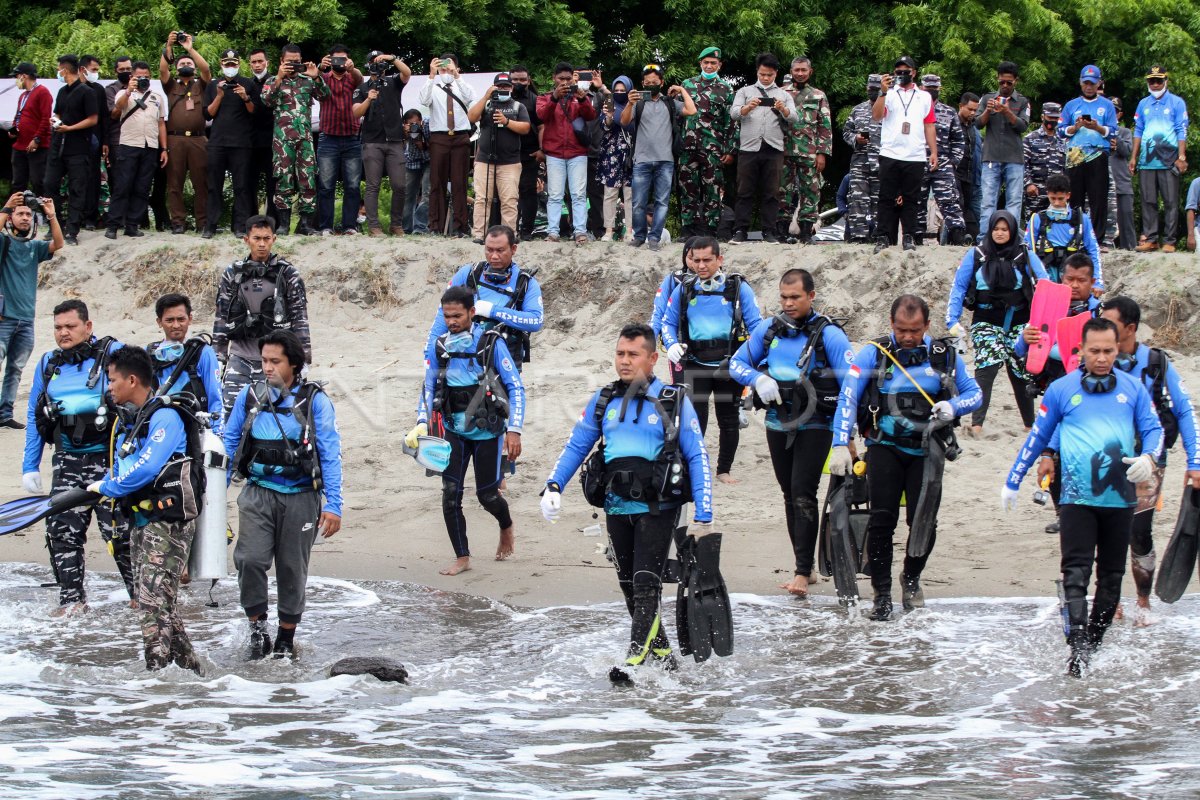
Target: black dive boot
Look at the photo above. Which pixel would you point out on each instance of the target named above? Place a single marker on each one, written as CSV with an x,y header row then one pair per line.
x,y
306,225
911,595
881,611
285,646
1081,653
260,639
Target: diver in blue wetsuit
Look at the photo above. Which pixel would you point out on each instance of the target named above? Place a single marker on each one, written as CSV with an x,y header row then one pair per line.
x,y
795,363
898,387
474,398
1174,408
1109,440
1059,231
708,316
651,461
670,283
203,379
506,296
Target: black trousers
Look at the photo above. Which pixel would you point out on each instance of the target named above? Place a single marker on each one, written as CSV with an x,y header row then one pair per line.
x,y
798,471
641,543
261,171
74,169
29,171
1141,546
158,199
1087,534
486,454
1089,181
237,162
898,179
527,198
727,396
132,172
986,378
890,473
758,177
595,196
91,204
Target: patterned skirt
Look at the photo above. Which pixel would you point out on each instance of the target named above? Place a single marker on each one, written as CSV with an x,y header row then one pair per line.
x,y
994,346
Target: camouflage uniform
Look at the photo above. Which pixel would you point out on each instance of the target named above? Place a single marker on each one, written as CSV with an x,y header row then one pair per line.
x,y
295,163
863,195
239,352
1045,155
799,180
708,135
67,530
162,555
952,148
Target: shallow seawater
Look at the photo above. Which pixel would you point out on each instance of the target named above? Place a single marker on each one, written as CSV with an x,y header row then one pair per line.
x,y
965,699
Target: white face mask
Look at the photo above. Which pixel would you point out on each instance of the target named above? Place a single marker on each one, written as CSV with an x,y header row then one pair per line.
x,y
260,75
446,77
93,76
229,72
1158,93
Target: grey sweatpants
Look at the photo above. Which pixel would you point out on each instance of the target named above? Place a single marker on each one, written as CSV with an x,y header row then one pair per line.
x,y
384,159
278,527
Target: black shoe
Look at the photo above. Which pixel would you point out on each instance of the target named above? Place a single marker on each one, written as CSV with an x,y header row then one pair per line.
x,y
71,238
957,237
770,237
477,241
909,244
738,237
1081,653
134,232
283,221
881,611
207,233
881,244
284,649
178,229
13,423
305,226
260,639
911,595
1052,527
110,233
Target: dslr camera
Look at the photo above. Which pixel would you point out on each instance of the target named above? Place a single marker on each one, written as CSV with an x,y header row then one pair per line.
x,y
143,84
294,67
181,37
30,199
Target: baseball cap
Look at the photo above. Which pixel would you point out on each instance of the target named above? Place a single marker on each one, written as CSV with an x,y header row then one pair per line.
x,y
502,79
1090,73
24,68
906,61
931,81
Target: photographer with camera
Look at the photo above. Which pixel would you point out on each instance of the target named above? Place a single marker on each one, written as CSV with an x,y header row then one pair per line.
x,y
339,150
377,103
142,147
185,129
503,121
21,251
448,98
296,87
232,104
75,114
416,171
566,155
30,133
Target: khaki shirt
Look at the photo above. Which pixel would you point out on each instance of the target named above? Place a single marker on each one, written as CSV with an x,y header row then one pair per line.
x,y
180,119
140,128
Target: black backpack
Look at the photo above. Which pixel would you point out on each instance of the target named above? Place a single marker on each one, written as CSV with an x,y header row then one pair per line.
x,y
517,341
676,131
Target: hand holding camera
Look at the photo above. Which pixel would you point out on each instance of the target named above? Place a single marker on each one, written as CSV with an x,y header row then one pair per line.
x,y
885,83
372,94
635,96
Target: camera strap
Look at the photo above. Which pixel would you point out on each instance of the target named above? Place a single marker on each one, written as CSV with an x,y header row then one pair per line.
x,y
138,103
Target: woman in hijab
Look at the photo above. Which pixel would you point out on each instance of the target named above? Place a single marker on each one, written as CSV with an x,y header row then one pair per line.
x,y
995,282
614,148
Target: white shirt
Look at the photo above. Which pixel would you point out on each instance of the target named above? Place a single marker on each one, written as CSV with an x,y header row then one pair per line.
x,y
434,97
140,128
913,106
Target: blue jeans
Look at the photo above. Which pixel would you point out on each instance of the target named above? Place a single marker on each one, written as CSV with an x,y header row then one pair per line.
x,y
416,200
562,173
1013,178
16,345
339,156
647,175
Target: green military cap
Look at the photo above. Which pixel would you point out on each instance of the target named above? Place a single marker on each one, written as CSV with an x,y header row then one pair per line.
x,y
709,51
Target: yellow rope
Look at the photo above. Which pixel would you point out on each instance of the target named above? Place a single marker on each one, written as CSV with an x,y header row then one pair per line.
x,y
900,366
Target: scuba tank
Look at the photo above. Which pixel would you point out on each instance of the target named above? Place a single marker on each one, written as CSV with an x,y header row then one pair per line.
x,y
210,545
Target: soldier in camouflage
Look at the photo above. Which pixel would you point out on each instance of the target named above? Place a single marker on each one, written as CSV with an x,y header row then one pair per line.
x,y
291,97
1045,155
810,144
708,143
862,133
952,148
256,295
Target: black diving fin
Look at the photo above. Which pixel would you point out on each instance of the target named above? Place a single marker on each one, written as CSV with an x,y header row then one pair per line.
x,y
1179,560
704,614
838,536
939,448
17,515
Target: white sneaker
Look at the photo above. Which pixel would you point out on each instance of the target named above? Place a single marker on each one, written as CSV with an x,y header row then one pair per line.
x,y
327,232
608,237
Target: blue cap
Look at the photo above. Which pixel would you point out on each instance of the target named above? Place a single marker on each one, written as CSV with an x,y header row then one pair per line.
x,y
1090,73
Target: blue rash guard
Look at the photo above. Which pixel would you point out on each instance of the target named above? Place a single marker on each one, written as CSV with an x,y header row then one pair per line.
x,y
634,429
1091,306
162,438
528,318
1161,124
659,313
67,390
267,427
1060,234
208,369
1089,144
968,270
893,426
464,369
1095,432
781,362
709,316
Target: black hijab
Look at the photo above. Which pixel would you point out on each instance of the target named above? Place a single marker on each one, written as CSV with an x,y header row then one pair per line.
x,y
997,265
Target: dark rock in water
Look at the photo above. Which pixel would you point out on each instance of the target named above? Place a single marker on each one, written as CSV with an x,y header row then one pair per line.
x,y
385,669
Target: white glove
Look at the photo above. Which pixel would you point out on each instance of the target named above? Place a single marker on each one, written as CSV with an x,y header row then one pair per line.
x,y
94,487
410,440
676,352
767,389
699,529
958,331
840,461
483,308
942,410
1141,468
1008,498
32,482
551,505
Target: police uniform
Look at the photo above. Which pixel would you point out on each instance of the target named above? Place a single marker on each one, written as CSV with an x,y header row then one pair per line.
x,y
1045,155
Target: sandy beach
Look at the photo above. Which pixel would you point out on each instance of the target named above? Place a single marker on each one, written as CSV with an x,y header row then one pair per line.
x,y
371,302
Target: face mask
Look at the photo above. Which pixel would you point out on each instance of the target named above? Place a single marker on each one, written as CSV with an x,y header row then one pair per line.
x,y
1098,384
169,352
520,90
933,94
904,78
187,72
123,78
229,72
655,90
1158,93
715,283
621,97
872,95
505,97
707,75
260,75
446,78
912,355
766,84
62,78
798,85
93,76
459,342
1058,214
1050,124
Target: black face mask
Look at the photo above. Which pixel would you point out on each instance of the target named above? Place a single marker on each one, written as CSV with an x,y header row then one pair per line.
x,y
620,97
904,78
872,95
123,78
655,90
520,90
933,93
187,72
798,85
